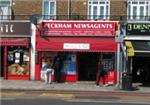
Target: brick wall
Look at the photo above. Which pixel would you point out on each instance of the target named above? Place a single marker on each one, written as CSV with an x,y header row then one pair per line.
x,y
22,8
62,7
117,9
78,7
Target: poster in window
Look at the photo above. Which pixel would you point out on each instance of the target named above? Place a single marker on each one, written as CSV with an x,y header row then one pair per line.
x,y
10,57
25,57
17,57
108,62
68,68
72,69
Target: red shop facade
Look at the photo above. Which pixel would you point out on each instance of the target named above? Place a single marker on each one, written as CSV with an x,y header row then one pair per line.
x,y
82,45
15,49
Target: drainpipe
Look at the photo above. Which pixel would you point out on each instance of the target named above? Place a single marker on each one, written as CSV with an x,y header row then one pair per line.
x,y
69,9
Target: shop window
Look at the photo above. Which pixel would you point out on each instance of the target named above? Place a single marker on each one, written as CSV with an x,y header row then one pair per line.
x,y
138,10
98,9
18,61
5,9
108,59
69,64
49,9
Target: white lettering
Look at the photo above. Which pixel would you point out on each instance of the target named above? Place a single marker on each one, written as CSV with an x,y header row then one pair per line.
x,y
1,28
6,28
78,25
51,26
11,28
93,26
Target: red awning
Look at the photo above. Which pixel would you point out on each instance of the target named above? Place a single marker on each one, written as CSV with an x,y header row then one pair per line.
x,y
76,44
14,41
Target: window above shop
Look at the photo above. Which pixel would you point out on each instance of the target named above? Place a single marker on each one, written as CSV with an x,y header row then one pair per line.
x,y
49,9
5,9
99,9
138,9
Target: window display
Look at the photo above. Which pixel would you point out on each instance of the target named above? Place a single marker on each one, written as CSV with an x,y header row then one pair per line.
x,y
69,64
108,62
18,61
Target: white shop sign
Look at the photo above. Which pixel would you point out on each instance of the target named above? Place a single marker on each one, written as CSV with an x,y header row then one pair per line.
x,y
84,46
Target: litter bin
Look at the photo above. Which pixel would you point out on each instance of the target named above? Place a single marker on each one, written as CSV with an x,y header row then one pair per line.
x,y
127,81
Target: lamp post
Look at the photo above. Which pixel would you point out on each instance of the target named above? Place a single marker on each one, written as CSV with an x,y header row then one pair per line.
x,y
124,73
121,52
119,40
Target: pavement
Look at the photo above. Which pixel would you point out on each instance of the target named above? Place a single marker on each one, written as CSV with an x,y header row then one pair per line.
x,y
67,86
76,91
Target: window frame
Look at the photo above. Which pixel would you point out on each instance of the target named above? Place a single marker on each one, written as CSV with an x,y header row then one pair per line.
x,y
6,16
138,16
105,6
49,15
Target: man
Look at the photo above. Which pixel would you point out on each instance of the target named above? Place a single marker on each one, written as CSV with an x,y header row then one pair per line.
x,y
100,73
57,65
48,71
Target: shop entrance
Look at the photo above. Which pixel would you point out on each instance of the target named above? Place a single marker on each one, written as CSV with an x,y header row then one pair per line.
x,y
87,66
141,70
2,61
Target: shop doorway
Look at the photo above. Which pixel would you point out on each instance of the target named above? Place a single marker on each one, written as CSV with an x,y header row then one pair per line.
x,y
87,66
2,61
141,70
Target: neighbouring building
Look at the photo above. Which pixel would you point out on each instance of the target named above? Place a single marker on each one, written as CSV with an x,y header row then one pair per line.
x,y
81,31
15,49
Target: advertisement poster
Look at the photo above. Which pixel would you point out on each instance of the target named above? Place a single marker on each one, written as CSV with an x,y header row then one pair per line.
x,y
108,62
10,57
25,58
69,65
17,57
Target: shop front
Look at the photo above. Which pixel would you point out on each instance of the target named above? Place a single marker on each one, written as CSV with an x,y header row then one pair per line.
x,y
81,46
15,49
138,51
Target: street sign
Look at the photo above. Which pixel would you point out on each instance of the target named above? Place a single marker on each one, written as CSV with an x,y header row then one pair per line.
x,y
130,49
119,38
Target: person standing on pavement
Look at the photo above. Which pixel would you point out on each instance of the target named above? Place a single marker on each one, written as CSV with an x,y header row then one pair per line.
x,y
49,72
43,69
100,73
57,65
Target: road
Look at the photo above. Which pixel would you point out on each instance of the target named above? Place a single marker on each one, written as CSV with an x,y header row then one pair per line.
x,y
72,98
57,102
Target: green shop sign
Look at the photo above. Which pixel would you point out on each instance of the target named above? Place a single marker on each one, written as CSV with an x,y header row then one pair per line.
x,y
138,29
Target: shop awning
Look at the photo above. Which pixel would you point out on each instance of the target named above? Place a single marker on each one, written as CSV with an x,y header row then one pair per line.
x,y
14,41
138,48
77,44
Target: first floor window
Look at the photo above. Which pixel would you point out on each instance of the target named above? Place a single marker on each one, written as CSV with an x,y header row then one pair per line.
x,y
5,9
98,9
138,9
49,9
